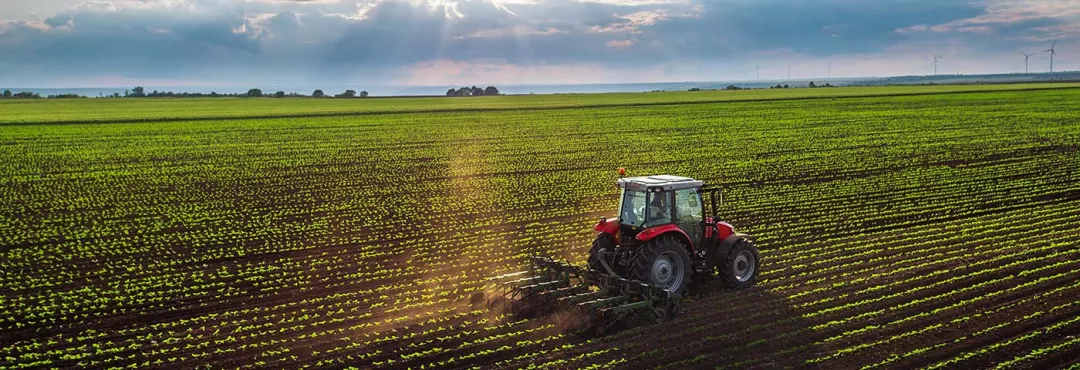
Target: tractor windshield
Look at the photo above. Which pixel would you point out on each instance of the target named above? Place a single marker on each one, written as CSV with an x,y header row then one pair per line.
x,y
632,207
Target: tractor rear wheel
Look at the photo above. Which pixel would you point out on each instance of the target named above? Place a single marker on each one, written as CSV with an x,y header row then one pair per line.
x,y
741,266
662,262
603,241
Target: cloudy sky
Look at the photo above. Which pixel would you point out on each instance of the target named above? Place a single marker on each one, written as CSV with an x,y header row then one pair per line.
x,y
101,43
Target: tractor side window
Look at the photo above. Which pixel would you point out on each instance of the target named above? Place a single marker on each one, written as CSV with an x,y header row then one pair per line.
x,y
659,209
688,206
632,207
688,211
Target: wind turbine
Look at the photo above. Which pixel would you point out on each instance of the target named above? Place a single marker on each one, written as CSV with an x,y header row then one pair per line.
x,y
1026,56
935,63
789,73
830,71
1052,54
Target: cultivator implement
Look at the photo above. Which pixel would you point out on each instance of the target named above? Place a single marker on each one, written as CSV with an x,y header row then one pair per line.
x,y
592,302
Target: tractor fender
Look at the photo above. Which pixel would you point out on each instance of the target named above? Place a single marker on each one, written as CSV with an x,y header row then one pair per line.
x,y
724,246
654,232
607,226
720,228
724,229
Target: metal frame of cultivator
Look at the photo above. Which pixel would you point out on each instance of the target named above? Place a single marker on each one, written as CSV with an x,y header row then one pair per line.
x,y
595,301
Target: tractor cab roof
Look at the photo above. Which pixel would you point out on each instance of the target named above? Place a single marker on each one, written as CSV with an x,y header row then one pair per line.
x,y
658,183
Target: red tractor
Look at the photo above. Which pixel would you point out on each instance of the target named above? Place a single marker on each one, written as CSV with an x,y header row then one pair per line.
x,y
643,261
664,238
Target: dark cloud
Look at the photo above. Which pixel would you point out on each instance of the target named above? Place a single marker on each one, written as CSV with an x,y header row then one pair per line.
x,y
378,41
823,28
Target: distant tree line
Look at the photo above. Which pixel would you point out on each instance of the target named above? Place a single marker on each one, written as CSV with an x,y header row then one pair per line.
x,y
694,89
777,86
473,91
7,94
140,92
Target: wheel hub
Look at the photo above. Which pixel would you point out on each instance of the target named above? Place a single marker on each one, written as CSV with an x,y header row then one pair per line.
x,y
744,266
667,272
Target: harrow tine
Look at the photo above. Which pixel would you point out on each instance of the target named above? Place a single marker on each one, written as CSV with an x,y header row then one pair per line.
x,y
611,318
586,321
567,291
520,283
605,302
550,285
509,275
585,297
629,307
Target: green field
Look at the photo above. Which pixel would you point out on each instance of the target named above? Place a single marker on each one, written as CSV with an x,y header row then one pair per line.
x,y
120,110
915,227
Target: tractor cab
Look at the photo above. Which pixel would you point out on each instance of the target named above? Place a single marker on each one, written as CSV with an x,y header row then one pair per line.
x,y
661,200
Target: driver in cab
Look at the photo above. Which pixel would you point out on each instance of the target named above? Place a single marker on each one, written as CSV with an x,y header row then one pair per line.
x,y
659,211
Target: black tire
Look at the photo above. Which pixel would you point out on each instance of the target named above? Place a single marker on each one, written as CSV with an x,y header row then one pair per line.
x,y
678,261
733,268
603,241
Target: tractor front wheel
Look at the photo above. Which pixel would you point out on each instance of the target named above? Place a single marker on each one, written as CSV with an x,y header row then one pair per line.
x,y
741,266
662,262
